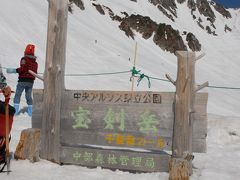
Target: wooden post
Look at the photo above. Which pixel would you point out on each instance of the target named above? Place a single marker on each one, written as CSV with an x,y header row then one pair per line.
x,y
28,146
180,165
54,79
134,65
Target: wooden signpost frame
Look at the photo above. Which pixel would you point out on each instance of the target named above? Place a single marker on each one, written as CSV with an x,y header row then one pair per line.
x,y
50,103
130,141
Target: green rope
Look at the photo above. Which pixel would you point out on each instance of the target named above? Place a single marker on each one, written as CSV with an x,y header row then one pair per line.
x,y
216,87
222,87
136,73
143,76
98,74
159,79
93,74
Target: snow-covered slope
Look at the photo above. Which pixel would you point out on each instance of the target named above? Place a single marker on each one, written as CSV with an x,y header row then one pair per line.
x,y
96,45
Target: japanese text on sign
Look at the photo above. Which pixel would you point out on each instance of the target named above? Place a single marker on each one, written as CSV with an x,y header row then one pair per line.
x,y
147,121
114,159
104,97
130,140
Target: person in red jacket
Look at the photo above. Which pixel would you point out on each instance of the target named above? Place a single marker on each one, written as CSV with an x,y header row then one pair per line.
x,y
25,79
6,91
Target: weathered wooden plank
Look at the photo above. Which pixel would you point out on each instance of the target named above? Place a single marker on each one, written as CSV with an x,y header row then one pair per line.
x,y
96,131
201,109
200,126
131,117
37,108
127,140
119,97
201,98
199,145
97,128
166,98
37,123
116,159
116,139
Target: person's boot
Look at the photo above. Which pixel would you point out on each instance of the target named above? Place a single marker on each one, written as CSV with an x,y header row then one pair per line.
x,y
29,110
16,106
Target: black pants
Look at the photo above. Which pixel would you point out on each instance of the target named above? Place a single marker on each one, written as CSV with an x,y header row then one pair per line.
x,y
2,109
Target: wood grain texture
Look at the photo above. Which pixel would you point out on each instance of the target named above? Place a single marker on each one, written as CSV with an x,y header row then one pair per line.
x,y
54,79
179,169
29,145
183,121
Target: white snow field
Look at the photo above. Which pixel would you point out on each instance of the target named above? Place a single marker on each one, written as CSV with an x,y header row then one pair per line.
x,y
96,45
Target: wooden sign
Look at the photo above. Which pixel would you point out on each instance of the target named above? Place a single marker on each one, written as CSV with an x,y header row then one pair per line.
x,y
138,120
120,120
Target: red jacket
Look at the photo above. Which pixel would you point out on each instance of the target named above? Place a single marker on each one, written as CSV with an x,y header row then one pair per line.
x,y
28,62
7,93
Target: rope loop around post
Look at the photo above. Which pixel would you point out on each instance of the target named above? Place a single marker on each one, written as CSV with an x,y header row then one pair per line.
x,y
136,72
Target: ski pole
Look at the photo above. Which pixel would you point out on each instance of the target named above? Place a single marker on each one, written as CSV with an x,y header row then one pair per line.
x,y
7,134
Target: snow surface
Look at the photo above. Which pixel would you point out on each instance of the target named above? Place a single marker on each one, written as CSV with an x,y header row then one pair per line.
x,y
221,162
25,21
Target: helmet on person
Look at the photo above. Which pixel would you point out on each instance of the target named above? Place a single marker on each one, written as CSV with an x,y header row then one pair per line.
x,y
29,50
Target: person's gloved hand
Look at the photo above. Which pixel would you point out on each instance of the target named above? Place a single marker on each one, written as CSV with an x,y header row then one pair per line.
x,y
11,70
7,92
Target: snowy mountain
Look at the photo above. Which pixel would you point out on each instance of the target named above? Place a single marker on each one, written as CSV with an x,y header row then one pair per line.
x,y
101,38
